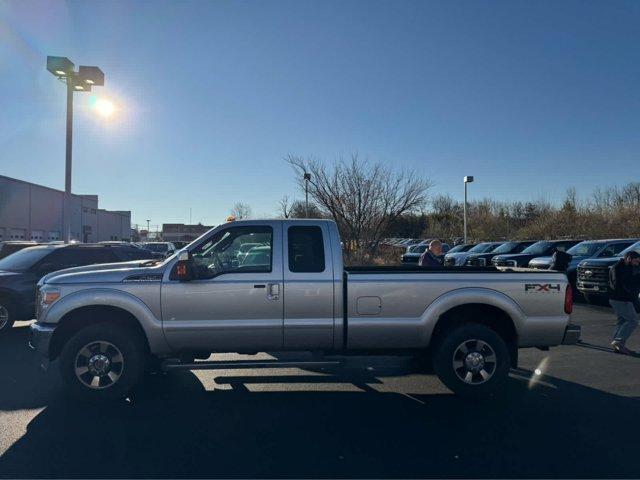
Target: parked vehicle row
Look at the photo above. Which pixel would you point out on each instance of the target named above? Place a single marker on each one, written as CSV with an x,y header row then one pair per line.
x,y
459,258
587,269
583,251
507,248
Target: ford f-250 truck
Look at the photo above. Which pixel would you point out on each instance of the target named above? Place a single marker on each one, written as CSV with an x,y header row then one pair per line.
x,y
289,291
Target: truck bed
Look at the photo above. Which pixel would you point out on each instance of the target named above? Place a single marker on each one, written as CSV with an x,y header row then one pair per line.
x,y
449,269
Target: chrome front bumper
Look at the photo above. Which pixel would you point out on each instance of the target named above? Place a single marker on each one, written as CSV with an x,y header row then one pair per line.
x,y
571,335
39,340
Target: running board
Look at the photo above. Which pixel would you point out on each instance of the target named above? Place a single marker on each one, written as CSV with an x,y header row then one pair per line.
x,y
221,365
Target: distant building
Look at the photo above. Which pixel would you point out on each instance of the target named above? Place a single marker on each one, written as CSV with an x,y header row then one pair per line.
x,y
180,232
34,212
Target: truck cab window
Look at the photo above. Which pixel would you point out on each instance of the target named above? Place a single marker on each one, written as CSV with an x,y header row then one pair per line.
x,y
234,250
306,249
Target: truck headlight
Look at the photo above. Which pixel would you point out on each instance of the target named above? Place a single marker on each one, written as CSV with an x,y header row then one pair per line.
x,y
48,296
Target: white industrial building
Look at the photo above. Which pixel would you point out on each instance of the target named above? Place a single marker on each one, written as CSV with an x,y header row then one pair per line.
x,y
34,212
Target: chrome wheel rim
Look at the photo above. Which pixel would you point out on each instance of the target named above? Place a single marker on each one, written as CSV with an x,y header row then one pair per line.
x,y
99,365
474,361
4,316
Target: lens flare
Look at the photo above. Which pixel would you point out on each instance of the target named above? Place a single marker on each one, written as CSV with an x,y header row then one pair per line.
x,y
538,372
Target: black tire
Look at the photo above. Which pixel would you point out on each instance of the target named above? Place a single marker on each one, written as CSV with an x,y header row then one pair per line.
x,y
475,338
126,370
7,315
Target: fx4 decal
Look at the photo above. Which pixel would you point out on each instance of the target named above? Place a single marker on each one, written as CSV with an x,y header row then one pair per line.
x,y
542,287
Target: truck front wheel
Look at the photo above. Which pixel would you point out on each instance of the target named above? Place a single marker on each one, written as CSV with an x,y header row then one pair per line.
x,y
472,360
102,362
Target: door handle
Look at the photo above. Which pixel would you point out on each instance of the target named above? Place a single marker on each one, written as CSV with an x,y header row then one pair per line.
x,y
273,291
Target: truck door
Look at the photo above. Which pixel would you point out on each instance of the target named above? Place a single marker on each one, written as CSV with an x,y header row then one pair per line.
x,y
235,300
309,284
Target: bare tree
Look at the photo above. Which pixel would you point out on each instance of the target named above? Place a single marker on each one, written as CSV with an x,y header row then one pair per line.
x,y
241,211
284,207
364,199
297,209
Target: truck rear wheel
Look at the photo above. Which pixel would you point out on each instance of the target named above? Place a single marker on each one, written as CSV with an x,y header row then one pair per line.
x,y
102,362
472,360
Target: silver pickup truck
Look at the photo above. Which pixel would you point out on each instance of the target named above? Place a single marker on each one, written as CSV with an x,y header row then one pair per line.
x,y
276,285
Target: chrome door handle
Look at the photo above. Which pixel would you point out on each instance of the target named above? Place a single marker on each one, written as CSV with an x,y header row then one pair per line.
x,y
273,291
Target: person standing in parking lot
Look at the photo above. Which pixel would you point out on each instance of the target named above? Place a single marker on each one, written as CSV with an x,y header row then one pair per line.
x,y
432,256
623,297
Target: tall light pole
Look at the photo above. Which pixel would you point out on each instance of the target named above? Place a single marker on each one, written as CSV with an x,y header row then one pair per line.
x,y
467,179
148,230
307,179
80,81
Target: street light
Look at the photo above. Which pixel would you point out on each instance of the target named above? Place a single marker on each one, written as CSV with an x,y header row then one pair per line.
x,y
307,179
467,179
81,81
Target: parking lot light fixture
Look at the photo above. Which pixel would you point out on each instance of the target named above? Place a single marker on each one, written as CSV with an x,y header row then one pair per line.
x,y
80,81
467,179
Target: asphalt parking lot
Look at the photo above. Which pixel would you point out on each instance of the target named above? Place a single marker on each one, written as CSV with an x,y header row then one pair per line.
x,y
374,417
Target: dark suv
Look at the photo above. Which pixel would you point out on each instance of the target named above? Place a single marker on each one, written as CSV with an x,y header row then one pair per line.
x,y
20,272
542,248
593,275
483,259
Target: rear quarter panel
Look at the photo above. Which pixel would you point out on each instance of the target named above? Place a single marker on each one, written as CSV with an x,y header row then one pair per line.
x,y
412,303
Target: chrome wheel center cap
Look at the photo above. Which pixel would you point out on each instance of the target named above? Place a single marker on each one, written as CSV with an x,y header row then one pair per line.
x,y
474,361
99,364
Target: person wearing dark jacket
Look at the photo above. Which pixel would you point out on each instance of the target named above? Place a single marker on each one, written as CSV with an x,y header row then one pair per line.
x,y
560,261
432,256
623,297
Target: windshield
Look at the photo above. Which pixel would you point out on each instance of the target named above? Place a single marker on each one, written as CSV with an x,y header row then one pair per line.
x,y
417,249
506,247
483,247
633,248
584,249
458,248
538,248
157,247
22,260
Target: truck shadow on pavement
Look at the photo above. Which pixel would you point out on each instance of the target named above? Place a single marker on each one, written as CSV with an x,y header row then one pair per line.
x,y
173,427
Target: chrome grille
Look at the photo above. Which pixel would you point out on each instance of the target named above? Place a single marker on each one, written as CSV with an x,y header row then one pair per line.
x,y
594,275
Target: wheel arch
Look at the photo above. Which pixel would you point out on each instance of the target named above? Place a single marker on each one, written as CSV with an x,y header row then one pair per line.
x,y
483,306
74,320
87,307
482,314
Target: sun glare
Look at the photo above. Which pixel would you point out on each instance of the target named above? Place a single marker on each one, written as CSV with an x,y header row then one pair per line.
x,y
104,107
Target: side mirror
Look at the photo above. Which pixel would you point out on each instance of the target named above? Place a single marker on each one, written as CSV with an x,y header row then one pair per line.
x,y
182,269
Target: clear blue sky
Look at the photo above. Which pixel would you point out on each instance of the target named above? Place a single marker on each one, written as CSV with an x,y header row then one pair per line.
x,y
531,97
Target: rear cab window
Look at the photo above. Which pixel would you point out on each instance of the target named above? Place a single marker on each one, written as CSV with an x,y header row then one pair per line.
x,y
306,249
